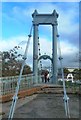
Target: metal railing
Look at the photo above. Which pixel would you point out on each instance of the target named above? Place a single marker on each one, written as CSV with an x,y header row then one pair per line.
x,y
8,84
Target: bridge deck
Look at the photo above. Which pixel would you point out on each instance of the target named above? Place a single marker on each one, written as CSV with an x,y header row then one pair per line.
x,y
44,105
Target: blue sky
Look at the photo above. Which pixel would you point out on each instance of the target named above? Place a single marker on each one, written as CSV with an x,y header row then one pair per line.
x,y
17,20
14,15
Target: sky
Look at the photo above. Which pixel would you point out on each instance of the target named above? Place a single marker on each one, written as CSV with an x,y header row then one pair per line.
x,y
17,21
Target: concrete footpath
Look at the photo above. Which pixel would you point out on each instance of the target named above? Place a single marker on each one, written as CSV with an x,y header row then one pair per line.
x,y
20,102
43,105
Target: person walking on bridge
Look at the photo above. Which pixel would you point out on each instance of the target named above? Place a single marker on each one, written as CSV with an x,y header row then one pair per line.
x,y
48,77
45,76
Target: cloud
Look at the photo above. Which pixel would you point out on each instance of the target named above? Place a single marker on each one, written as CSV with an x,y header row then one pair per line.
x,y
20,13
67,28
66,20
45,46
7,44
68,50
67,24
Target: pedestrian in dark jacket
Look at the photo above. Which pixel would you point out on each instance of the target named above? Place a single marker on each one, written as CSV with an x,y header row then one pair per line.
x,y
45,77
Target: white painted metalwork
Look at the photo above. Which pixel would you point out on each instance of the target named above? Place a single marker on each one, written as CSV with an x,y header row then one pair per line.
x,y
65,98
45,19
15,97
8,84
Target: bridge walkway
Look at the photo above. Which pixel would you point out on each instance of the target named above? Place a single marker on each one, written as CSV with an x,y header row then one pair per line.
x,y
45,103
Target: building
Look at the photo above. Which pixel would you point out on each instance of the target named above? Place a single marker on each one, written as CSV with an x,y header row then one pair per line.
x,y
71,69
70,77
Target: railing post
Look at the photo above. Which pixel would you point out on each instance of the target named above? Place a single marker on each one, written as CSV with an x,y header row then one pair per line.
x,y
8,84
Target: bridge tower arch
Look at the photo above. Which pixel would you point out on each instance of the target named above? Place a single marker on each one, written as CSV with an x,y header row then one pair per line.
x,y
45,19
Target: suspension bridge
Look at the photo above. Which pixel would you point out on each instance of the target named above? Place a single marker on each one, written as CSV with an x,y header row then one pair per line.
x,y
23,85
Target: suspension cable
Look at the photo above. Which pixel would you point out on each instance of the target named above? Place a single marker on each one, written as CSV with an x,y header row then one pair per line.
x,y
65,98
40,62
15,97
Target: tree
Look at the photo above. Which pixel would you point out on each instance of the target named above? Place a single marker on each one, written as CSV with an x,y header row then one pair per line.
x,y
65,70
11,65
77,74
